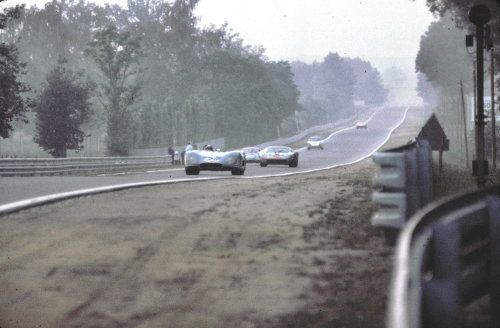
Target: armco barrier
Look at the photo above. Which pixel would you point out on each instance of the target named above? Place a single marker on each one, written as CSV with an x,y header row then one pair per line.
x,y
403,185
360,115
447,256
78,165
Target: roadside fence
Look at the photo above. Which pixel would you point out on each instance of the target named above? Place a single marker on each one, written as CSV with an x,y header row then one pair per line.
x,y
447,256
403,185
79,165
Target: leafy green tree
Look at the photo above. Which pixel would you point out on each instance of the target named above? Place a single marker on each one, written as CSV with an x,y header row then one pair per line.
x,y
314,114
59,29
12,104
198,115
183,36
457,11
147,22
147,126
189,87
335,83
118,55
459,7
251,97
284,95
156,124
443,62
63,106
442,56
326,88
368,86
426,90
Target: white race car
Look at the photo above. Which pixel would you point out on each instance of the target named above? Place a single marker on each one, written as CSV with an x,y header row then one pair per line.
x,y
361,125
314,142
251,154
209,160
279,155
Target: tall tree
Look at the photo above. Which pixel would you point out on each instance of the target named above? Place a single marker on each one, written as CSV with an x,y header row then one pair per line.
x,y
326,88
63,106
118,54
368,86
426,90
458,7
457,11
442,56
230,89
12,104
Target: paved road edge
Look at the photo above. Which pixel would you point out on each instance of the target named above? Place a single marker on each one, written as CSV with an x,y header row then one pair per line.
x,y
53,198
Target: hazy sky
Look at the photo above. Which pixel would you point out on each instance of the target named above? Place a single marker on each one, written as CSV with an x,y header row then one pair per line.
x,y
308,30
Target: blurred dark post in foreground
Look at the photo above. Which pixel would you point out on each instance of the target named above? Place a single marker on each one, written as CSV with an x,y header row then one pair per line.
x,y
479,15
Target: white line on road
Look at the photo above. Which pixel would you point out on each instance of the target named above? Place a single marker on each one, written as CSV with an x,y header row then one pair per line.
x,y
337,165
43,200
348,128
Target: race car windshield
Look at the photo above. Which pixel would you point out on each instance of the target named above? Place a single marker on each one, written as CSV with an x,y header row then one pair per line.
x,y
278,150
251,150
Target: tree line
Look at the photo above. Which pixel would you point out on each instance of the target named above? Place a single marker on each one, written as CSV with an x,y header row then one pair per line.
x,y
148,76
329,88
445,67
443,60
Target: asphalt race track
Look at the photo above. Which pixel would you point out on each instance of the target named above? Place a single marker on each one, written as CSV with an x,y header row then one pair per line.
x,y
343,147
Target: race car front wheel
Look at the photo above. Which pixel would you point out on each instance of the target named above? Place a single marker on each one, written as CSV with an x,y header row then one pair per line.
x,y
238,171
192,171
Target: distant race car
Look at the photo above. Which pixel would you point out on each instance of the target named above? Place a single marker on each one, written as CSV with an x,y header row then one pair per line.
x,y
314,142
209,160
361,125
251,154
279,155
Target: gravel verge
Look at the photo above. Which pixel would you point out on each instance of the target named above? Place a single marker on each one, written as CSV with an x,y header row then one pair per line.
x,y
277,252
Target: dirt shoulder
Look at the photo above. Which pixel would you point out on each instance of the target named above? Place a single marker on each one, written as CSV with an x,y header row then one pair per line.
x,y
279,252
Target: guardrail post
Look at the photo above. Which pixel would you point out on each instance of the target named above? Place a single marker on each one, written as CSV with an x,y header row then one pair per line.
x,y
494,222
404,183
424,165
392,184
441,300
412,182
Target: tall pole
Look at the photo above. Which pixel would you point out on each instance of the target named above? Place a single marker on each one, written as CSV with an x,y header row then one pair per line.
x,y
493,116
480,153
480,15
474,79
465,125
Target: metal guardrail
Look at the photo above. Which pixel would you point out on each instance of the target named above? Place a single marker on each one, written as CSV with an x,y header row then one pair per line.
x,y
403,185
78,165
317,129
447,256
